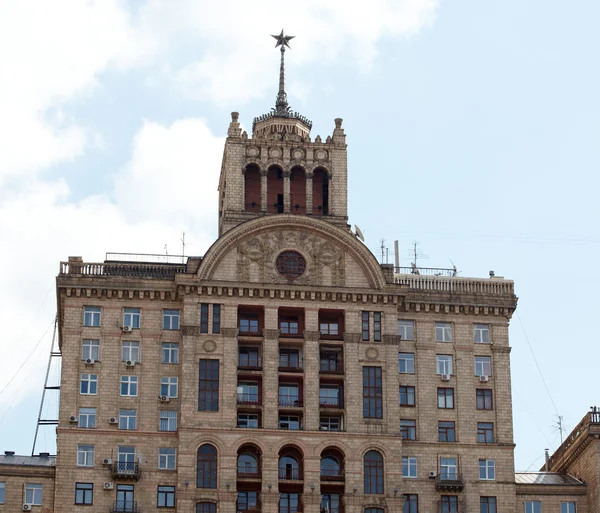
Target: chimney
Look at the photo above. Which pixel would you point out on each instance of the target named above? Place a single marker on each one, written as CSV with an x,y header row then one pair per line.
x,y
547,468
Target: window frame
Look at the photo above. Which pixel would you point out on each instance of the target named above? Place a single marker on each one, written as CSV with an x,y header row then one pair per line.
x,y
167,418
365,326
374,472
127,419
129,384
568,507
443,332
208,387
445,395
446,431
409,463
487,469
171,319
95,316
485,432
167,493
481,331
169,353
131,351
216,319
411,503
204,310
132,317
167,458
87,415
2,492
377,324
533,506
408,429
482,362
409,363
91,381
90,349
482,395
86,498
406,329
487,504
86,454
207,467
408,393
372,392
169,386
31,493
444,361
248,420
448,462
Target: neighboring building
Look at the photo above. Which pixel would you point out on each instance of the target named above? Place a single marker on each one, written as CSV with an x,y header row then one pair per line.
x,y
27,480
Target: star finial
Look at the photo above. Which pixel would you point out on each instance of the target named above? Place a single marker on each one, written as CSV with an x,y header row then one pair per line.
x,y
283,40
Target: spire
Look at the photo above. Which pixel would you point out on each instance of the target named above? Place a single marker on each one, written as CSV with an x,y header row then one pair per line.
x,y
281,104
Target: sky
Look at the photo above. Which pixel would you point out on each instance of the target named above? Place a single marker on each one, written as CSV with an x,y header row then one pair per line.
x,y
472,129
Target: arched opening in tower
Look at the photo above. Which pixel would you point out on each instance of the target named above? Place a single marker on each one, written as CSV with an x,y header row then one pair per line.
x,y
252,188
298,191
320,192
275,190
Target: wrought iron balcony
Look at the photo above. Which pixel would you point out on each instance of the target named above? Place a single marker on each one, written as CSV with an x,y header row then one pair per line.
x,y
290,366
248,473
124,506
331,402
290,474
331,473
331,367
449,481
290,401
126,470
249,399
252,363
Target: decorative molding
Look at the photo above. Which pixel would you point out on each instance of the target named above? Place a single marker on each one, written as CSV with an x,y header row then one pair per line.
x,y
392,339
271,334
353,338
312,336
500,349
371,353
229,332
190,331
209,346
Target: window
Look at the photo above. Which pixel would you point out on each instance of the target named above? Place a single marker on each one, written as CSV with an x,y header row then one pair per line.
x,y
90,349
331,324
130,351
481,333
207,467
485,432
330,503
330,423
247,392
168,420
166,458
289,359
89,384
487,505
131,317
129,385
247,501
365,325
249,323
408,429
165,497
487,470
445,398
448,469
443,364
87,418
206,507
443,332
331,395
407,396
2,492
372,393
170,352
91,316
126,461
411,503
289,325
204,318
85,455
290,264
446,431
406,329
247,465
127,419
247,420
170,319
406,363
409,466
208,393
249,357
168,387
125,497
484,399
84,493
373,472
289,468
483,366
377,326
289,394
289,502
566,507
449,504
33,494
533,507
216,327
289,422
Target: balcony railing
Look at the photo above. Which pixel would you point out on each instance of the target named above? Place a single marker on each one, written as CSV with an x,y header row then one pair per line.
x,y
290,401
126,470
449,481
243,332
331,402
290,474
138,270
250,363
249,398
487,286
290,366
285,333
331,367
124,506
331,473
327,335
248,473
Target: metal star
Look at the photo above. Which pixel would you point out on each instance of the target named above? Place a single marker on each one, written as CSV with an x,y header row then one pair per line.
x,y
283,40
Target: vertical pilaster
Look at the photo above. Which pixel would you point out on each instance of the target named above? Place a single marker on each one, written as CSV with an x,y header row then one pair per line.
x,y
263,190
309,190
270,371
286,191
311,380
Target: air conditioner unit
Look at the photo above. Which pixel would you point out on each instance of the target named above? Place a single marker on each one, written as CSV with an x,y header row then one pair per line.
x,y
445,377
107,461
484,379
90,361
432,474
27,507
113,420
130,363
108,485
164,398
73,419
127,329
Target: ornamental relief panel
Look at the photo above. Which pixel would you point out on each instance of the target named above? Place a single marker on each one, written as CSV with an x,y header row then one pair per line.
x,y
257,256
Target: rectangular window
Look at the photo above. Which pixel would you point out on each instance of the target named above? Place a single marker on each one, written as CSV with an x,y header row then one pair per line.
x,y
166,458
372,393
127,419
131,317
168,420
484,399
170,319
449,504
249,323
208,390
247,392
289,394
483,366
204,318
448,469
407,396
247,420
216,327
289,359
85,455
166,497
129,386
485,432
444,364
406,363
91,316
330,423
487,470
88,384
446,431
487,504
130,351
377,326
411,503
330,396
289,422
289,325
84,493
409,466
408,429
2,492
249,357
169,387
33,494
87,418
170,352
365,326
248,501
90,350
445,398
567,507
443,332
406,329
533,507
481,333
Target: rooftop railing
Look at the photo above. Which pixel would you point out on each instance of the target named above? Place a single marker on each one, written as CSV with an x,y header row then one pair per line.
x,y
140,270
456,285
579,433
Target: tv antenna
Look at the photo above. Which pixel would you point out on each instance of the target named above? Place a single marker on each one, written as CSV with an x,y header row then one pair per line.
x,y
559,424
166,252
182,244
416,253
384,250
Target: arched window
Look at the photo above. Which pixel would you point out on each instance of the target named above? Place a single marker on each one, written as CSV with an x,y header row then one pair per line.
x,y
373,472
289,468
207,467
252,182
374,510
330,467
206,507
297,191
275,190
247,465
320,192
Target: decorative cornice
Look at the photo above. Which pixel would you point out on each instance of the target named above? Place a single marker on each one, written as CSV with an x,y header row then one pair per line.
x,y
230,332
271,334
312,335
352,338
392,339
501,349
190,331
131,292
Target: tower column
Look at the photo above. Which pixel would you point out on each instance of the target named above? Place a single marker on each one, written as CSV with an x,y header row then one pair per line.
x,y
309,190
263,190
286,191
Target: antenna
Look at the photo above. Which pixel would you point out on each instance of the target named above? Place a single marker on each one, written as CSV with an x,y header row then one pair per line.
x,y
166,252
359,233
182,245
558,424
382,249
416,253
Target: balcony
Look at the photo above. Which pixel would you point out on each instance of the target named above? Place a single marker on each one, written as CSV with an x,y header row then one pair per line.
x,y
290,474
445,507
249,332
248,473
331,473
126,470
449,482
290,401
124,506
290,366
254,363
331,402
331,367
249,399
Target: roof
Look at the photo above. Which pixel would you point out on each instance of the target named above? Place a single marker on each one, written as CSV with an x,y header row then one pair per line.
x,y
546,478
28,461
